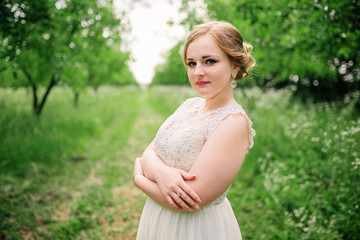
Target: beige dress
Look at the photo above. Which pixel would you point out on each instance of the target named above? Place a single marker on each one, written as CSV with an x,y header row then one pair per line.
x,y
178,142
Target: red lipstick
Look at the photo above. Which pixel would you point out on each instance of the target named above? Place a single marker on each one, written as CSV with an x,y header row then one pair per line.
x,y
202,83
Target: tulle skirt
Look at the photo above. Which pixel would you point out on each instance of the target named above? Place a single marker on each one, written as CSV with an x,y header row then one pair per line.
x,y
216,222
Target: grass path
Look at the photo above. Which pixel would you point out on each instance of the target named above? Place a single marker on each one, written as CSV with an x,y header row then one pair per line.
x,y
130,200
88,193
119,216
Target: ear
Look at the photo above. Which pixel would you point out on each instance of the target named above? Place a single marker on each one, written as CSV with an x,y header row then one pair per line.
x,y
236,69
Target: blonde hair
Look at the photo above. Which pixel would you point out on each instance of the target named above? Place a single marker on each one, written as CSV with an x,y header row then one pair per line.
x,y
229,39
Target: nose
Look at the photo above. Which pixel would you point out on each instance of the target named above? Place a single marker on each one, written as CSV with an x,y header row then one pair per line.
x,y
199,70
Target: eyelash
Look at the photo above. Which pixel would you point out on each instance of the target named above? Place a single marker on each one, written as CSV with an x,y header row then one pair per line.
x,y
208,61
191,64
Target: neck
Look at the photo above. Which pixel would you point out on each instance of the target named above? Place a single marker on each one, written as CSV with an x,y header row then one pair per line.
x,y
219,100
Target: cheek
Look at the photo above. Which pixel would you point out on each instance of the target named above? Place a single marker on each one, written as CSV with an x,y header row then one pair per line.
x,y
215,72
190,74
220,72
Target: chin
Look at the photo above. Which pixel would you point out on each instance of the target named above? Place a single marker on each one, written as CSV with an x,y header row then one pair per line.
x,y
203,93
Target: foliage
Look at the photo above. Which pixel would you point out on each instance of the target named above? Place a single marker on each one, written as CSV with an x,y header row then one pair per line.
x,y
109,67
172,72
312,45
306,160
68,174
47,42
60,173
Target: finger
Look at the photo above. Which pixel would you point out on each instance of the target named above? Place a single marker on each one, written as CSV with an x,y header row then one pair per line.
x,y
138,160
137,166
172,202
190,192
189,201
187,176
181,202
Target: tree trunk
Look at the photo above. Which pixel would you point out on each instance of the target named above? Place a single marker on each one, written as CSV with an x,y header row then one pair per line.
x,y
35,98
33,87
90,77
48,89
76,98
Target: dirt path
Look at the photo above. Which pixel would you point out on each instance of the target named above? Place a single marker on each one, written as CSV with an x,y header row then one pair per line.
x,y
141,135
118,218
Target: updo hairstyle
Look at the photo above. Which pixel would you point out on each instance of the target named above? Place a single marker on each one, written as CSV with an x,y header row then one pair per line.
x,y
229,39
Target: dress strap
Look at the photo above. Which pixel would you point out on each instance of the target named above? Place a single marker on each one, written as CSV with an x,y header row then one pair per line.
x,y
222,113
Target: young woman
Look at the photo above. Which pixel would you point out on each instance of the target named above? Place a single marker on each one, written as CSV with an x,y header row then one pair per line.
x,y
188,168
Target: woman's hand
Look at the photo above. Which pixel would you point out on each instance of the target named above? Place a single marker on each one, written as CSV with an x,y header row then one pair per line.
x,y
137,168
176,191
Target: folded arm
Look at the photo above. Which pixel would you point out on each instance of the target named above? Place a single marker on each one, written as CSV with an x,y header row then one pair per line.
x,y
220,159
151,189
215,168
163,183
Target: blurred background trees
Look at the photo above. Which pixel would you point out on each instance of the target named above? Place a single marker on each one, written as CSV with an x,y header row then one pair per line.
x,y
172,71
310,45
50,42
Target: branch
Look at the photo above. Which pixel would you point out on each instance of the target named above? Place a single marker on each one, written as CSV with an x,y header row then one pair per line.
x,y
33,86
48,89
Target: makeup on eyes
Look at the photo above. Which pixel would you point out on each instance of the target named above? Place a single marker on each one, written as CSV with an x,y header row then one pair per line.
x,y
208,59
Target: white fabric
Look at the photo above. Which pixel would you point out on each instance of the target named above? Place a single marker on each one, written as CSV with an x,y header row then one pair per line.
x,y
212,223
178,142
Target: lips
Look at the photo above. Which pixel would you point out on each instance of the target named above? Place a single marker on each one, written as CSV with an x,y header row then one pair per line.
x,y
202,83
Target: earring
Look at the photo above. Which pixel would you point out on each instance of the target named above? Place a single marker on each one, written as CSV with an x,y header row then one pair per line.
x,y
233,83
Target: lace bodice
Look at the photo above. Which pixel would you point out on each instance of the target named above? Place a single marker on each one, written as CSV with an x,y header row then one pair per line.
x,y
183,135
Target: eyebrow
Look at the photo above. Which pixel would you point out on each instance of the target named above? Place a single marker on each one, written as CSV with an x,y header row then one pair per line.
x,y
203,57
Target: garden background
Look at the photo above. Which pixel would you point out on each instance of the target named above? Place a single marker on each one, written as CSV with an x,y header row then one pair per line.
x,y
73,118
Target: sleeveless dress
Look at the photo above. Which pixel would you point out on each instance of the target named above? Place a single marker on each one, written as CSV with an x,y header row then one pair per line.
x,y
178,143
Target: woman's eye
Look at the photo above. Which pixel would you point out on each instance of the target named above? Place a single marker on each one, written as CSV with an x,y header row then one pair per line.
x,y
191,64
210,61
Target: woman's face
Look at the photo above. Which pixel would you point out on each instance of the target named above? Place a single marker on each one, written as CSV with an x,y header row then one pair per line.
x,y
209,69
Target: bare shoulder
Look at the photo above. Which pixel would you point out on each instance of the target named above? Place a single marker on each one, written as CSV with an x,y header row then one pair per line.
x,y
232,130
235,123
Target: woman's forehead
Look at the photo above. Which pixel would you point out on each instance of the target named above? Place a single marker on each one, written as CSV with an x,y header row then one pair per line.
x,y
204,46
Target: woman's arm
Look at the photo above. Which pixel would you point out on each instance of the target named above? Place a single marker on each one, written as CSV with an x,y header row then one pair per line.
x,y
216,166
169,180
221,158
151,189
151,163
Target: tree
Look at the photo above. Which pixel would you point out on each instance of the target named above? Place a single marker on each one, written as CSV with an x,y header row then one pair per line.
x,y
313,45
45,41
173,71
108,66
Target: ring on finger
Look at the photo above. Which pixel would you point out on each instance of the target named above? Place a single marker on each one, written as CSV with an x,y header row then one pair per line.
x,y
179,193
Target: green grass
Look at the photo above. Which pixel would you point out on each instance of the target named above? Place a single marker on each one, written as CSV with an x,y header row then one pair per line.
x,y
68,174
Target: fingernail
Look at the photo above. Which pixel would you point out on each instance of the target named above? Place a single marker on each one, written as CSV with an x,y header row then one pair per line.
x,y
189,209
197,206
198,199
